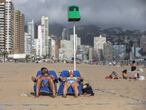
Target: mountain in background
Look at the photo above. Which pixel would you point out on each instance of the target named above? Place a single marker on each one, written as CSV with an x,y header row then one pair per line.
x,y
56,30
116,35
87,33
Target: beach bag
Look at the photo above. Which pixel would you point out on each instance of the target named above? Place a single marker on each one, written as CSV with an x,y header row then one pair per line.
x,y
87,89
141,78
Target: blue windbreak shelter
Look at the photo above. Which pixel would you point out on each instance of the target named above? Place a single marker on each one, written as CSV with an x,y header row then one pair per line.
x,y
65,73
44,86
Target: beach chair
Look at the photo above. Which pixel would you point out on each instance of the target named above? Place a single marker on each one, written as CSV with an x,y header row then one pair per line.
x,y
65,73
44,89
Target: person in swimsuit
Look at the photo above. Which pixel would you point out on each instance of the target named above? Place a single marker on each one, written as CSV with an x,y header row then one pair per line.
x,y
44,76
71,81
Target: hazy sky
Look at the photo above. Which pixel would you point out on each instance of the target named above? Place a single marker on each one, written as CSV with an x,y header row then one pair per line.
x,y
125,13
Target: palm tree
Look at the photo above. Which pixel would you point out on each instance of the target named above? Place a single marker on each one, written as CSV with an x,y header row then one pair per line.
x,y
4,54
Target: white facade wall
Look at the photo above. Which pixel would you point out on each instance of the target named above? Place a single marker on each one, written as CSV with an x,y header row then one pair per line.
x,y
99,43
37,47
45,37
27,43
40,43
9,9
78,40
66,50
30,26
90,53
99,46
2,27
53,48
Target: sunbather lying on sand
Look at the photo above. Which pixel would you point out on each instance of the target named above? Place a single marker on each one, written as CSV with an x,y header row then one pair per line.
x,y
132,75
113,75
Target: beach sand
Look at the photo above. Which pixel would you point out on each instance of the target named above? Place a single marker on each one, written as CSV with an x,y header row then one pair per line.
x,y
16,88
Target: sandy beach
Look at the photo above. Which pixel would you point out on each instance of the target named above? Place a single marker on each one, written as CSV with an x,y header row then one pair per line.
x,y
16,88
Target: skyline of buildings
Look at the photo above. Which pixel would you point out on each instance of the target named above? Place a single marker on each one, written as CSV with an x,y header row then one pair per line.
x,y
11,28
43,42
39,43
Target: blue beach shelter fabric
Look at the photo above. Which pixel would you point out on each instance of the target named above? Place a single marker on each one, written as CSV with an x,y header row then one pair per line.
x,y
65,73
44,87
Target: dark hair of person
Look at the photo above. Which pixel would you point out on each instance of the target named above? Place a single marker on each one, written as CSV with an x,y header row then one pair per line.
x,y
124,71
43,68
133,62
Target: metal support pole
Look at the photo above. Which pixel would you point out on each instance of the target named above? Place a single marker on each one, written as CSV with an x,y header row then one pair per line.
x,y
74,32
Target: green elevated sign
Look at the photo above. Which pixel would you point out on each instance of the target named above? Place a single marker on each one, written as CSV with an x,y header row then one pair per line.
x,y
73,13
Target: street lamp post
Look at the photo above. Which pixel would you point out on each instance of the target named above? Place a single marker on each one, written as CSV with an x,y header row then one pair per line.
x,y
74,16
74,33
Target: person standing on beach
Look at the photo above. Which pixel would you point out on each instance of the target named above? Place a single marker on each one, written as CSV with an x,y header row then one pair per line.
x,y
44,76
133,66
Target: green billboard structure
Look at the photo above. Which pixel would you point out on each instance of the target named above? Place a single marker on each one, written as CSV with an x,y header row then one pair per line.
x,y
73,13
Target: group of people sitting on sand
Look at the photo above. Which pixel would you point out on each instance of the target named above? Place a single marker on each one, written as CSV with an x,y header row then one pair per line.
x,y
134,73
70,81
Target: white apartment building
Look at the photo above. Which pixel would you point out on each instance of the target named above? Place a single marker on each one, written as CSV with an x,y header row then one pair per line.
x,y
53,49
39,43
66,50
45,36
30,27
6,25
2,26
65,34
28,43
99,42
99,46
78,40
9,11
43,43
